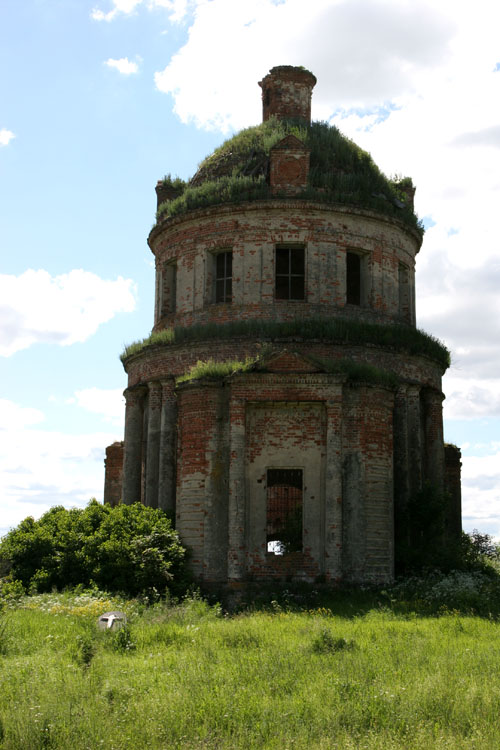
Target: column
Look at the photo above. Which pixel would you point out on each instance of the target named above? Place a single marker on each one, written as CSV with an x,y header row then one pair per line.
x,y
401,467
434,447
132,458
415,472
153,444
333,487
236,564
166,469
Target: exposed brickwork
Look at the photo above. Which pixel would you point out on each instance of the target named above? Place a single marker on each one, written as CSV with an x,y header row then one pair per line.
x,y
253,230
286,93
113,477
288,166
203,450
452,482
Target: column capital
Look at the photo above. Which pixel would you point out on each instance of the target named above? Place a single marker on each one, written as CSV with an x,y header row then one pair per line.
x,y
135,394
432,394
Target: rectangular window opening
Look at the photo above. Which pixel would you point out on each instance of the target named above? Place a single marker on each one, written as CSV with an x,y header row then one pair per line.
x,y
290,273
168,289
284,511
224,277
404,291
353,278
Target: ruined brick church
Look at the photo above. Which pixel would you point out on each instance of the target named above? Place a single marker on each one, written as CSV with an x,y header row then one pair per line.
x,y
285,409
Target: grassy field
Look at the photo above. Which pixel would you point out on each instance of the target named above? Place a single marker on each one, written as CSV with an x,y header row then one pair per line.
x,y
356,675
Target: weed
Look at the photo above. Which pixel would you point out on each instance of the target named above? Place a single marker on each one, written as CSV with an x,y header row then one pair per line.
x,y
86,648
335,330
340,172
325,642
122,640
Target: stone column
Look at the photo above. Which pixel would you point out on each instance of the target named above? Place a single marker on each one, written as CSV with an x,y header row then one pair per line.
x,y
236,564
401,467
132,459
333,487
415,473
452,457
153,444
166,470
434,445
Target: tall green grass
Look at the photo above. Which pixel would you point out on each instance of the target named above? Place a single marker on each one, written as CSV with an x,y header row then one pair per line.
x,y
335,330
277,678
340,172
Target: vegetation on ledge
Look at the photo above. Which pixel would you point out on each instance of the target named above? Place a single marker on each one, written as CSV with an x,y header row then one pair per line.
x,y
336,330
355,371
340,172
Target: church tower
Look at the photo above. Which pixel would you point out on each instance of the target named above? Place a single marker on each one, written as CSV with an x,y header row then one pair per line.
x,y
285,409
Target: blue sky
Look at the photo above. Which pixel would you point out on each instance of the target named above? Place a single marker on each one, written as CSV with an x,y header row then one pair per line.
x,y
99,100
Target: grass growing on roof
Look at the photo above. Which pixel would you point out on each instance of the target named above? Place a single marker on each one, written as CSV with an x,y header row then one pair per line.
x,y
340,172
217,370
337,330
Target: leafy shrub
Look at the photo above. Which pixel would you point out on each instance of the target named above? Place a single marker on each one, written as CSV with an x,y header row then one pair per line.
x,y
423,543
10,592
462,591
325,642
122,640
86,648
129,548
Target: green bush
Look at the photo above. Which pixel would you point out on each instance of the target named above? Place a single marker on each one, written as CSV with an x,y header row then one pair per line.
x,y
129,548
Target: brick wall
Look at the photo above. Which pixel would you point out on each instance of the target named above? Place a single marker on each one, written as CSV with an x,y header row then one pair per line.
x,y
113,464
252,231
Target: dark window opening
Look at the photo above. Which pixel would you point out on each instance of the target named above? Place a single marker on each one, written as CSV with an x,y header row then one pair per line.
x,y
168,289
353,279
284,511
404,291
224,277
290,275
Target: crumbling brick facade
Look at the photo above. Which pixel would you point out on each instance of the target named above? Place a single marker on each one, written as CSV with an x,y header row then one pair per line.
x,y
294,467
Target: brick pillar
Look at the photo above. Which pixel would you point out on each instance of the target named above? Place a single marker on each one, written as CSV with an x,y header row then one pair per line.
x,y
132,458
153,444
236,564
333,486
413,415
401,466
286,93
368,483
168,425
113,474
288,166
434,446
452,481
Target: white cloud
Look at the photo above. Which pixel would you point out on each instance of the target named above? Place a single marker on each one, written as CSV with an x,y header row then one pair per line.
x,y
108,402
119,6
481,492
40,468
123,65
36,307
20,416
393,41
6,136
177,9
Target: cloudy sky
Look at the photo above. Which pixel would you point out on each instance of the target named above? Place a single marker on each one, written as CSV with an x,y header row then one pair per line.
x,y
101,98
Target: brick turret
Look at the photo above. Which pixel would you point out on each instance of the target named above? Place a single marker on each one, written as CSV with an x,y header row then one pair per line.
x,y
286,93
